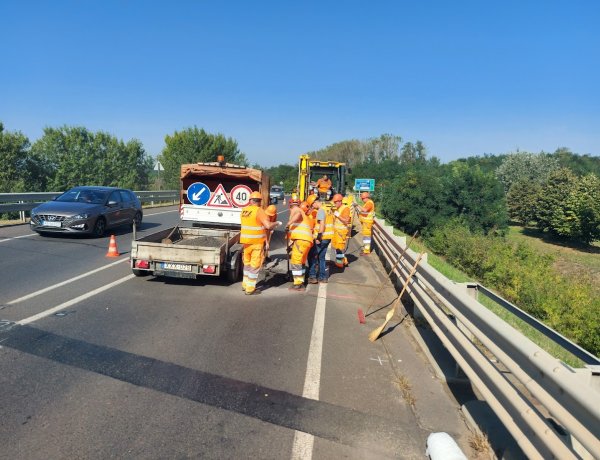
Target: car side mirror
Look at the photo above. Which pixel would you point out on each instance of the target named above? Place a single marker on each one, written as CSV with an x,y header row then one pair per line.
x,y
111,203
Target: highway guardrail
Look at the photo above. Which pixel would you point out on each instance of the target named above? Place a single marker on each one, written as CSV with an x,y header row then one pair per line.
x,y
537,390
23,202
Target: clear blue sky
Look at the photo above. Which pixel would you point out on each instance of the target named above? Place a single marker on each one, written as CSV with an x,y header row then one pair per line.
x,y
286,77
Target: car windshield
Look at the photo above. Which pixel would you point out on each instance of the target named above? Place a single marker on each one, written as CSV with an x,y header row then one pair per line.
x,y
83,196
276,189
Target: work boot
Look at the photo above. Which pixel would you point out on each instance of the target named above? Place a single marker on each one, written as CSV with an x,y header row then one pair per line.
x,y
312,280
255,292
323,281
297,288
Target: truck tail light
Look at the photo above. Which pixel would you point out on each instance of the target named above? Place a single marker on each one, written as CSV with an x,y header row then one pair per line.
x,y
144,264
210,269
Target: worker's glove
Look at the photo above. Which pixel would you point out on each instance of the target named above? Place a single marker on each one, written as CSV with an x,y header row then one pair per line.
x,y
319,238
287,228
336,214
279,223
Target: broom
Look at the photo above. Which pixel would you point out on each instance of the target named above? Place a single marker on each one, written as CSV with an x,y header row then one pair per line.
x,y
376,332
361,315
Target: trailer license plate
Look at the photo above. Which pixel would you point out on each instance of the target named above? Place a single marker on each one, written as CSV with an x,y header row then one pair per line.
x,y
178,267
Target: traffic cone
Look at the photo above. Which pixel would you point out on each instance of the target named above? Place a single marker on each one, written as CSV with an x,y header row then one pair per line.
x,y
112,247
283,199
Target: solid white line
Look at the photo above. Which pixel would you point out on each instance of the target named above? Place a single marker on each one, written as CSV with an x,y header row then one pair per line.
x,y
17,237
62,283
64,305
303,442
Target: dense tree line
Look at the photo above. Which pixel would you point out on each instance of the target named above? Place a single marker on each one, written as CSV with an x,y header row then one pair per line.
x,y
68,156
543,192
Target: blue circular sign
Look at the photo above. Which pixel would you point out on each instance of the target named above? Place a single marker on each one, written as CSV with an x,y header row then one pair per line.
x,y
198,193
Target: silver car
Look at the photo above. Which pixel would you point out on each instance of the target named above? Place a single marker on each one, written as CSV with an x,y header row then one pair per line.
x,y
276,193
87,210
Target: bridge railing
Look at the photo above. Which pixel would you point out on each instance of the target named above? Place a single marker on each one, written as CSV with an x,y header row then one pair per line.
x,y
22,202
537,387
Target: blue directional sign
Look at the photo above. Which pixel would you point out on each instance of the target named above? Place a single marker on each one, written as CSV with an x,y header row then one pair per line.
x,y
364,185
198,193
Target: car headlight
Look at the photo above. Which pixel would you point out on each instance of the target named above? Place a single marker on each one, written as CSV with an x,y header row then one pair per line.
x,y
33,213
83,215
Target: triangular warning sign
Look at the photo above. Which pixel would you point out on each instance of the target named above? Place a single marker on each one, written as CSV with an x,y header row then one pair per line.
x,y
219,198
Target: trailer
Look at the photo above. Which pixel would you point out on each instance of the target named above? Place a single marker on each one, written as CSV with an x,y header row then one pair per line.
x,y
206,243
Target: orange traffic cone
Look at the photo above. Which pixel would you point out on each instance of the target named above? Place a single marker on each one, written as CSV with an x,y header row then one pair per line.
x,y
283,199
112,247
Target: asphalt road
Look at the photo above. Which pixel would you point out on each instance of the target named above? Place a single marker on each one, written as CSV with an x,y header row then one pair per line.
x,y
96,363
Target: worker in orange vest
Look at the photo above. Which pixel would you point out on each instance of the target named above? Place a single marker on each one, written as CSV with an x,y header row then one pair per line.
x,y
300,238
253,235
341,229
366,215
324,186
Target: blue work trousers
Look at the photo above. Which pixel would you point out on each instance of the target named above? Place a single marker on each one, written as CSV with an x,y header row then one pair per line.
x,y
316,260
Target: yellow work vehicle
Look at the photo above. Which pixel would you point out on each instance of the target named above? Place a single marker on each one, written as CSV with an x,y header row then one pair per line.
x,y
311,170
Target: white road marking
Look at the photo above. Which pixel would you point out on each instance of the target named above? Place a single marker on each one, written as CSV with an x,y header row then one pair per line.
x,y
67,304
17,237
62,283
302,448
379,360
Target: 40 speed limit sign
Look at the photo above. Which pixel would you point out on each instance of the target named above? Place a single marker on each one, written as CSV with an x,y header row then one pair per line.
x,y
240,195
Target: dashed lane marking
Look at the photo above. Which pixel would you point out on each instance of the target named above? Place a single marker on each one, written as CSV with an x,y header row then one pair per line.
x,y
62,283
74,301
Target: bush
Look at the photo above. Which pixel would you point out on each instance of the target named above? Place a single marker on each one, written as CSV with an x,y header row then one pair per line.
x,y
525,278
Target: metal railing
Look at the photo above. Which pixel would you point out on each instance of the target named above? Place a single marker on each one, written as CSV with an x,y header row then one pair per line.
x,y
22,202
471,333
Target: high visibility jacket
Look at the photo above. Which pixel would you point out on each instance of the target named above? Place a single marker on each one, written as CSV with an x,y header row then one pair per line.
x,y
323,185
328,232
302,230
368,216
252,231
338,225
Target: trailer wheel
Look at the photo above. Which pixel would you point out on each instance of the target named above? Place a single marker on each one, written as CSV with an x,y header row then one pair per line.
x,y
235,274
137,272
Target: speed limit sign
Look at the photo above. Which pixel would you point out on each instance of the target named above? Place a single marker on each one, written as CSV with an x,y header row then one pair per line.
x,y
240,195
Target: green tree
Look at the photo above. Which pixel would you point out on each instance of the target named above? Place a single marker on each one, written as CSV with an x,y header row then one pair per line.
x,y
21,171
577,216
552,216
76,156
522,201
287,174
525,166
476,197
194,145
416,198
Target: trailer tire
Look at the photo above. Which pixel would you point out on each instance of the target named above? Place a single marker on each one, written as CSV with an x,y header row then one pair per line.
x,y
137,272
235,274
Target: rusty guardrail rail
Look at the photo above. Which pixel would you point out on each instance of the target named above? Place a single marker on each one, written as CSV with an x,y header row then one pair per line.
x,y
565,394
22,202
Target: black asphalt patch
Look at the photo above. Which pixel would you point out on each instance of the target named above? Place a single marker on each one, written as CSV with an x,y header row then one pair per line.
x,y
328,421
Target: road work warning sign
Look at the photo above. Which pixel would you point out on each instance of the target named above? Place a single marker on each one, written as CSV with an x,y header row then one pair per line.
x,y
219,198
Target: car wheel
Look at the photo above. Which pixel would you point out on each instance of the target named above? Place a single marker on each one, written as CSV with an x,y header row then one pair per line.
x,y
137,220
99,227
